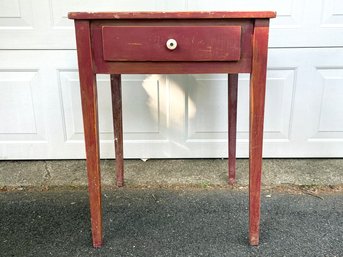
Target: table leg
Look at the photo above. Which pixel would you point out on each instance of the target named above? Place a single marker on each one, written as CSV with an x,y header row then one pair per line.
x,y
117,127
91,127
232,110
257,97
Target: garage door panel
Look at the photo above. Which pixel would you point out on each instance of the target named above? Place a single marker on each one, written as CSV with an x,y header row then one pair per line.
x,y
21,114
329,114
143,111
44,24
170,116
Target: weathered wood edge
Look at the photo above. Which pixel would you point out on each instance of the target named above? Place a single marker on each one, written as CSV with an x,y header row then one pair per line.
x,y
171,15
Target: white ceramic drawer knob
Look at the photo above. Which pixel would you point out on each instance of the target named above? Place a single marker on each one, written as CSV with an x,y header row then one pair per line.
x,y
171,44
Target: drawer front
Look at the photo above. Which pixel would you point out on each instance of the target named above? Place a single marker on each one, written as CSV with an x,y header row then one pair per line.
x,y
171,43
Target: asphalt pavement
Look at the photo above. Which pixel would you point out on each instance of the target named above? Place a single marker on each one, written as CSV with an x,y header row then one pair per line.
x,y
170,222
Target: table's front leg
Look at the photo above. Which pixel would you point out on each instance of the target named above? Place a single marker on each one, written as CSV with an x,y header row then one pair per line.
x,y
91,127
257,98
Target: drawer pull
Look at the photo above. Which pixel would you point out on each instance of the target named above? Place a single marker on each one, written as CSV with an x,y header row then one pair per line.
x,y
171,44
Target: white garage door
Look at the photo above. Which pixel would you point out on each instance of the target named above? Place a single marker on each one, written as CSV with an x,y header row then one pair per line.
x,y
176,116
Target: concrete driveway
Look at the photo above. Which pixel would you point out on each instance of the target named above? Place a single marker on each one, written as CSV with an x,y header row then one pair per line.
x,y
170,222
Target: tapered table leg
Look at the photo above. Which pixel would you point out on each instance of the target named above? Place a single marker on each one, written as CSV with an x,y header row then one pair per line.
x,y
257,96
91,127
118,127
232,131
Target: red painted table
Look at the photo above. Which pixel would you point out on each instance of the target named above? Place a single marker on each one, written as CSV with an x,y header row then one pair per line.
x,y
172,43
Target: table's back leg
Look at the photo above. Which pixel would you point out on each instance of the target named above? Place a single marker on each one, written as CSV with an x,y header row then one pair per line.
x,y
257,97
118,127
91,127
232,131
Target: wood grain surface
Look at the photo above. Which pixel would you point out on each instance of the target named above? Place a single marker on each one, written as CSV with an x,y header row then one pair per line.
x,y
194,43
257,100
170,15
91,126
232,133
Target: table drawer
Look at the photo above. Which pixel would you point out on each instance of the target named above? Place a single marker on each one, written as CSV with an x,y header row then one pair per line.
x,y
171,43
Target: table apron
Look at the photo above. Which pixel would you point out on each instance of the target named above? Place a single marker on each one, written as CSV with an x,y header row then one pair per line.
x,y
102,64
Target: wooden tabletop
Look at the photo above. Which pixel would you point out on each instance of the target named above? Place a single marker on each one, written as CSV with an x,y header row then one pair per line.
x,y
170,15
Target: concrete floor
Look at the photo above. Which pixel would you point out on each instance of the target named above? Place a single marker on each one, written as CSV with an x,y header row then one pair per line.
x,y
156,173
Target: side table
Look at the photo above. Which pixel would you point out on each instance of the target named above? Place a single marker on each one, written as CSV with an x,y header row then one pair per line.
x,y
172,43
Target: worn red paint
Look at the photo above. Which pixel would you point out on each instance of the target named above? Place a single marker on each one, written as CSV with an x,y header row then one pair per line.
x,y
90,124
118,127
171,67
257,96
97,53
194,43
232,104
170,15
